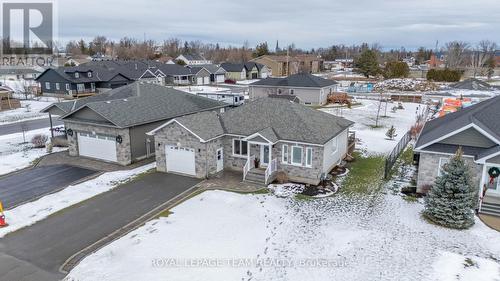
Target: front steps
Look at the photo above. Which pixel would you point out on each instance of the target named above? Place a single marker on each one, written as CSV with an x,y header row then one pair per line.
x,y
257,176
490,209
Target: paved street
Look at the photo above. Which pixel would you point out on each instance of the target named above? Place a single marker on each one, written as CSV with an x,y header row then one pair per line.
x,y
37,252
32,183
30,125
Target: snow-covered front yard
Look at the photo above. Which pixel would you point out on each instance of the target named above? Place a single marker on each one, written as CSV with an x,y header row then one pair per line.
x,y
374,140
16,154
219,235
30,109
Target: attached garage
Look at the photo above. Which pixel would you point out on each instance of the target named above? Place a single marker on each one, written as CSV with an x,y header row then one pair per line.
x,y
199,81
220,78
206,80
180,160
97,146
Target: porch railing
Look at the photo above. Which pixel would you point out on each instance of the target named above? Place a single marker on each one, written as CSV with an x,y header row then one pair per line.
x,y
271,168
248,166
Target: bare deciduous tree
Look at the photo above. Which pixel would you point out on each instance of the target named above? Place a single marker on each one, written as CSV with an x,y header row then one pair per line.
x,y
456,54
480,56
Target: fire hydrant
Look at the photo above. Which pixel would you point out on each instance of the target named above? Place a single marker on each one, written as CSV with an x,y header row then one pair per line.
x,y
3,223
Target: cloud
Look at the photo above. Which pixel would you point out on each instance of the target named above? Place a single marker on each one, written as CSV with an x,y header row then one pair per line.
x,y
308,24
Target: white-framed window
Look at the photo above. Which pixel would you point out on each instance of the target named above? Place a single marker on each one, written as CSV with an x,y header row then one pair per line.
x,y
77,75
442,162
47,85
58,86
240,147
296,155
285,153
92,86
309,156
89,74
67,87
80,87
335,145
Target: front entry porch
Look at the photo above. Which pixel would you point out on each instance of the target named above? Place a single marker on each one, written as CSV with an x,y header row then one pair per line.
x,y
490,193
260,165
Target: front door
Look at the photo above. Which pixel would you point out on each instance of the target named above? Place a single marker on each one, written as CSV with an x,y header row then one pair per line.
x,y
264,155
220,159
493,186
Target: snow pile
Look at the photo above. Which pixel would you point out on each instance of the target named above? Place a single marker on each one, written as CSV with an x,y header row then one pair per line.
x,y
374,140
227,236
451,267
405,84
286,189
32,212
16,155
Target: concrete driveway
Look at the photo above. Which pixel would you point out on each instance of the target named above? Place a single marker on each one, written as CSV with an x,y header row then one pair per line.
x,y
28,125
37,252
33,183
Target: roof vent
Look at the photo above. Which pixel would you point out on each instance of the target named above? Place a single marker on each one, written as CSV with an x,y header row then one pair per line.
x,y
108,101
125,100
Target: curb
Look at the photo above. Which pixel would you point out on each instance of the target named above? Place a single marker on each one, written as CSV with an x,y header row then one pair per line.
x,y
76,258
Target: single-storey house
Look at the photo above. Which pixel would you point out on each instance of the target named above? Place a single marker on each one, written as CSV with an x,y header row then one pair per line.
x,y
475,129
217,73
201,75
112,126
258,138
245,71
310,89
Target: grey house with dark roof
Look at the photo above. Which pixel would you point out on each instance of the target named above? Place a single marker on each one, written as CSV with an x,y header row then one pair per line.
x,y
257,139
310,89
475,129
112,126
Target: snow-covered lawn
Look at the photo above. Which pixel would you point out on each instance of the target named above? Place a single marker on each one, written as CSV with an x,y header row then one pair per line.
x,y
30,109
16,155
374,140
30,213
226,236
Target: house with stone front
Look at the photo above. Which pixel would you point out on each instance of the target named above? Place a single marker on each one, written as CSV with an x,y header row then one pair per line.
x,y
310,89
476,130
112,126
257,139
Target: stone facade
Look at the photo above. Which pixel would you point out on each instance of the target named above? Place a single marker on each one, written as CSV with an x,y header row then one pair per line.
x,y
123,153
429,165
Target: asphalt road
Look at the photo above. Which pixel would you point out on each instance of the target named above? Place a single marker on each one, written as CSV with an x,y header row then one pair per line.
x,y
32,183
30,125
43,247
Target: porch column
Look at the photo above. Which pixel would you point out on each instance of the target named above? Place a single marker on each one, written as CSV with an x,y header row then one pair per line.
x,y
481,187
248,153
270,153
51,128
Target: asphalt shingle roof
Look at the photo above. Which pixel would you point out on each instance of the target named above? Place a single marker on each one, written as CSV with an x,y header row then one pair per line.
x,y
485,114
232,67
304,80
472,84
275,119
140,103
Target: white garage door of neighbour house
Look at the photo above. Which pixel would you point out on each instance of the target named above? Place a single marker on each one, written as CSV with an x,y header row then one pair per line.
x,y
199,81
97,146
220,78
180,160
206,80
264,75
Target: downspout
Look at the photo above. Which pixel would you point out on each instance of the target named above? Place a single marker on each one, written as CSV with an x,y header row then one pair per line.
x,y
206,160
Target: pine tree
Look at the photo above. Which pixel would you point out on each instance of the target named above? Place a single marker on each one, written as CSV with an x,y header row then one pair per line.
x,y
391,133
451,200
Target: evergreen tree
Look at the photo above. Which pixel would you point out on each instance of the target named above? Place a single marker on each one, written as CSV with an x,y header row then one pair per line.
x,y
391,133
367,63
451,200
396,69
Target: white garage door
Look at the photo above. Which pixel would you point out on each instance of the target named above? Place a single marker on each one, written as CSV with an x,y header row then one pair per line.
x,y
180,160
264,75
220,78
206,80
199,81
97,146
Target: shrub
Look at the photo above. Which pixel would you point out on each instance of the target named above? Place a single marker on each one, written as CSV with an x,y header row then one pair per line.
x,y
444,75
39,140
396,69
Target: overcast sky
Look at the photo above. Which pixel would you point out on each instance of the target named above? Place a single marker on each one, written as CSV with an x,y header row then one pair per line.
x,y
307,23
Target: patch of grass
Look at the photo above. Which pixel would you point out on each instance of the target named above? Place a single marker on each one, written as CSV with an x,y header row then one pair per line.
x,y
410,199
469,263
407,155
164,214
365,176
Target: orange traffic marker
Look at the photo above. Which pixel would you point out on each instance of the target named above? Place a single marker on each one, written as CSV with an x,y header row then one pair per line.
x,y
2,221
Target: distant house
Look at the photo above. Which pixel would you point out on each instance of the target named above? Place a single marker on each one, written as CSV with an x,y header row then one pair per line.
x,y
112,126
98,76
216,74
476,130
258,139
26,76
201,76
193,59
310,89
437,60
245,71
77,60
497,58
288,65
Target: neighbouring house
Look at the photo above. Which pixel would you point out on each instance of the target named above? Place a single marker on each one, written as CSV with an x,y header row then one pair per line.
x,y
20,77
289,65
193,59
256,70
201,75
112,126
497,58
234,96
437,60
258,139
217,73
99,76
77,60
310,89
475,129
235,71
